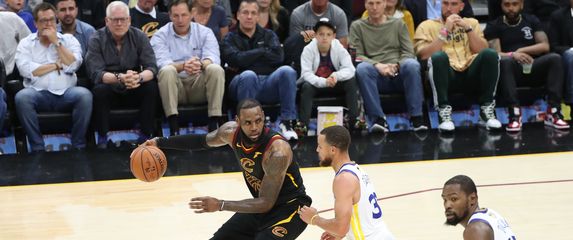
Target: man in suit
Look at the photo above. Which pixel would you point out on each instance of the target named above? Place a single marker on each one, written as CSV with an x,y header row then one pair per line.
x,y
421,12
561,41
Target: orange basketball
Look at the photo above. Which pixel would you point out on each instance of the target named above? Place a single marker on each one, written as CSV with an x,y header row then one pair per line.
x,y
148,163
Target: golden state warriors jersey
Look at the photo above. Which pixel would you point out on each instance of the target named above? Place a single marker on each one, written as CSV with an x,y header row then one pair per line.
x,y
251,160
501,229
366,221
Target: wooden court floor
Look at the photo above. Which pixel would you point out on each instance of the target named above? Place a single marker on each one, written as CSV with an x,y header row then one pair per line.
x,y
534,192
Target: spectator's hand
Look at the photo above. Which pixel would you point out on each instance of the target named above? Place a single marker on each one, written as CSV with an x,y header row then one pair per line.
x,y
522,58
331,81
188,67
461,23
131,79
51,34
387,70
451,22
196,65
308,35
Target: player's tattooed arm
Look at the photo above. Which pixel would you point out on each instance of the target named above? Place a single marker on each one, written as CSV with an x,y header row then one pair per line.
x,y
223,135
275,164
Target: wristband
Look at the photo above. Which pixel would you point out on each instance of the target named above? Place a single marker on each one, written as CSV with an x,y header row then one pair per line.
x,y
443,34
510,54
312,218
222,205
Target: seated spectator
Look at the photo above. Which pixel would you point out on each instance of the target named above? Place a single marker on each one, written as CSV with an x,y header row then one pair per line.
x,y
190,66
17,6
68,23
274,17
122,67
13,30
327,68
146,18
432,9
458,60
395,9
256,54
48,60
388,66
561,42
542,9
304,17
521,42
212,16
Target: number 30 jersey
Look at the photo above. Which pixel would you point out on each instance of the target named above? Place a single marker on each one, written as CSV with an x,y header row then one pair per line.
x,y
366,221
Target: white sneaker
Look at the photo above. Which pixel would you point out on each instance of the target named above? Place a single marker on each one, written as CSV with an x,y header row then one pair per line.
x,y
288,132
487,117
445,115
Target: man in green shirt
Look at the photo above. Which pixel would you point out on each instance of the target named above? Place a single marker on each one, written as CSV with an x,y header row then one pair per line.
x,y
388,65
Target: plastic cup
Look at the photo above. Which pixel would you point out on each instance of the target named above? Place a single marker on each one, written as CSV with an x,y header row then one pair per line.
x,y
526,68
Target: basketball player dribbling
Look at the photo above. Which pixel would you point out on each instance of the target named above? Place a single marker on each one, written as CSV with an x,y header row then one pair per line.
x,y
461,206
271,174
356,210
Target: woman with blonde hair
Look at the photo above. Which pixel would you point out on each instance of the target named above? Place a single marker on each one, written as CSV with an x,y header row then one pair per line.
x,y
274,17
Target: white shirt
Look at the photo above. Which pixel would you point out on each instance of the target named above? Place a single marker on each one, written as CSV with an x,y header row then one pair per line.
x,y
366,220
31,54
13,30
500,227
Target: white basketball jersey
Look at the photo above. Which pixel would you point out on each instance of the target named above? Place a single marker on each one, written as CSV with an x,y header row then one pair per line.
x,y
366,221
501,229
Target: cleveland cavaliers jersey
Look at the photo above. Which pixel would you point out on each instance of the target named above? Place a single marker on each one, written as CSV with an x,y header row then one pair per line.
x,y
501,229
251,160
366,221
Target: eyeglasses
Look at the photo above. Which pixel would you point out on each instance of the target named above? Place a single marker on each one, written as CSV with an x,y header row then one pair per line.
x,y
118,20
47,20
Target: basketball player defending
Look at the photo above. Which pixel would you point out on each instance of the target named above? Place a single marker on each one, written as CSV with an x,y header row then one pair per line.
x,y
271,174
461,205
357,214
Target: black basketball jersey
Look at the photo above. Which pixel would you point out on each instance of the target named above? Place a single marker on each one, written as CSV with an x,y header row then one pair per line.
x,y
251,160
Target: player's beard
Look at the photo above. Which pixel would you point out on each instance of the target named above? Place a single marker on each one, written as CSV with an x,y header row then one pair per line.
x,y
325,162
457,219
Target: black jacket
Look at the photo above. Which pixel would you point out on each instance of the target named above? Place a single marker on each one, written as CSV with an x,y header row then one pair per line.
x,y
262,53
560,34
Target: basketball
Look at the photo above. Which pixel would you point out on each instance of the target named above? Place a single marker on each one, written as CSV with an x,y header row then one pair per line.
x,y
148,163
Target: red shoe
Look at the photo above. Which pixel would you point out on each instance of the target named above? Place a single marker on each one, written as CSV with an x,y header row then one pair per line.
x,y
554,119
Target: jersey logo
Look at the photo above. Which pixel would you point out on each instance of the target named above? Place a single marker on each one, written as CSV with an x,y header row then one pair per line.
x,y
150,28
253,181
247,164
527,33
257,154
279,231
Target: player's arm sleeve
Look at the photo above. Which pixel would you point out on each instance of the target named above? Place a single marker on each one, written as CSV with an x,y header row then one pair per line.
x,y
186,142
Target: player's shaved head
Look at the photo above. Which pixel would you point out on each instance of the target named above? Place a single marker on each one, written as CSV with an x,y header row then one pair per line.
x,y
467,185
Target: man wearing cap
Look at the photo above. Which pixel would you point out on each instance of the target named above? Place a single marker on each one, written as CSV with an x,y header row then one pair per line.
x,y
326,68
388,65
